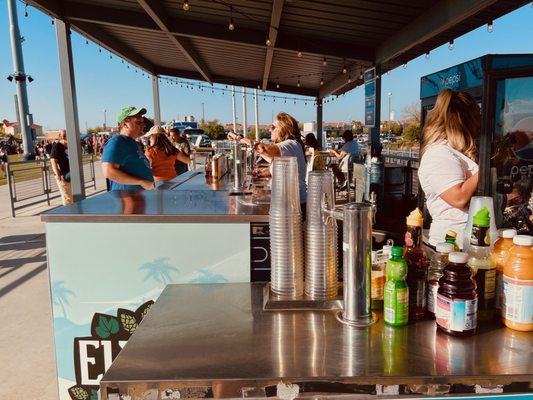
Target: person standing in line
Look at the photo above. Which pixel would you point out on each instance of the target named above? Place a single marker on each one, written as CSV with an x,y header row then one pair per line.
x,y
3,161
182,144
123,161
61,168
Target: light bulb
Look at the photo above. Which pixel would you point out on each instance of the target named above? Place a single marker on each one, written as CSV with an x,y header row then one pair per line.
x,y
427,54
268,42
451,45
300,54
231,25
186,5
404,65
298,84
344,70
325,62
277,85
361,76
321,82
490,26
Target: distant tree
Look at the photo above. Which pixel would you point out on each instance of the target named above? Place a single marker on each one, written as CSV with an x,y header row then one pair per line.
x,y
412,133
334,134
411,112
214,129
95,130
263,133
357,127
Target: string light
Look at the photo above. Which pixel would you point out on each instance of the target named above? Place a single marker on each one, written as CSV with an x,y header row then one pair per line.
x,y
299,54
322,81
298,84
490,26
350,78
451,45
86,41
361,75
268,41
427,55
325,62
186,5
404,65
53,23
26,9
344,70
231,25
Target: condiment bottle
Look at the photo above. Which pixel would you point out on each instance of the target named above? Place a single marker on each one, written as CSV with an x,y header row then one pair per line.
x,y
483,268
379,262
499,254
451,237
457,298
396,296
208,167
517,299
417,266
436,266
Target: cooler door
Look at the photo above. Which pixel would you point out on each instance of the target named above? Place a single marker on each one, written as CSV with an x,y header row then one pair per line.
x,y
512,150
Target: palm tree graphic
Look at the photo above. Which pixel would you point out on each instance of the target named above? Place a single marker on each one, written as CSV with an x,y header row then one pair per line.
x,y
207,276
159,270
60,296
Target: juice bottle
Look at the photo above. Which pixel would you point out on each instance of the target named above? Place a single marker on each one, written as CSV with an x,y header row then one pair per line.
x,y
499,254
457,298
517,299
451,237
416,266
436,266
483,269
396,296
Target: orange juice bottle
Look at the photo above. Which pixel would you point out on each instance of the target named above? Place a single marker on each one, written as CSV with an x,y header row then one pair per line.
x,y
499,254
517,300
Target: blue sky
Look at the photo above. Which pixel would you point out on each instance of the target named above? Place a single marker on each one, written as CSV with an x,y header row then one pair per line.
x,y
104,83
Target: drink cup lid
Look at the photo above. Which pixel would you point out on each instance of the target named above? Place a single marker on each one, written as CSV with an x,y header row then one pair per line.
x,y
507,233
444,247
523,240
458,257
387,248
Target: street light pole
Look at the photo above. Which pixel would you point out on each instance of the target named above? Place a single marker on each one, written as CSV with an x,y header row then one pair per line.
x,y
390,116
23,110
105,119
203,113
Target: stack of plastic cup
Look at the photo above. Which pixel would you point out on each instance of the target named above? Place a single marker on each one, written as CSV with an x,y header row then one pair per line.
x,y
476,204
286,238
320,239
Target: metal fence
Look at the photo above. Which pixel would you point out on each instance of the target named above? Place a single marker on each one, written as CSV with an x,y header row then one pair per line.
x,y
33,182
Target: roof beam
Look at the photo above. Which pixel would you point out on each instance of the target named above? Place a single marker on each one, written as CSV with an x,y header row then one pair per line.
x,y
185,28
113,45
340,81
442,16
156,11
237,82
277,7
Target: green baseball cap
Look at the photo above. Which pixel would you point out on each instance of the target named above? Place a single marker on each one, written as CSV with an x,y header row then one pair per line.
x,y
129,112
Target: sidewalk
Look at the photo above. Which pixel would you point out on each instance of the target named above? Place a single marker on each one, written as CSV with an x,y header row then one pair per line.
x,y
26,336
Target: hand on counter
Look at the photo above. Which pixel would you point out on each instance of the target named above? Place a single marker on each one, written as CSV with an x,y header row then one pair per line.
x,y
147,185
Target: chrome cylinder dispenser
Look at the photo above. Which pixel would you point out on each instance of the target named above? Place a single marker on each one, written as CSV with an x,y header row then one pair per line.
x,y
238,168
357,262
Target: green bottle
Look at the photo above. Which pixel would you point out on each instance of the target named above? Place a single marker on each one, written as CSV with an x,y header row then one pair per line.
x,y
396,296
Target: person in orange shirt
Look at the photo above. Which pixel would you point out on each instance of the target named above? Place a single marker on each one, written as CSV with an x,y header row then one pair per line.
x,y
162,154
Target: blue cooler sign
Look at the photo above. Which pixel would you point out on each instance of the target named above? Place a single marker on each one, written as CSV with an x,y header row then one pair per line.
x,y
370,98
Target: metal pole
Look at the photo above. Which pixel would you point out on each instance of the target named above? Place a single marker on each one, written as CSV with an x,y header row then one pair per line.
x,y
244,112
25,121
157,106
68,84
234,107
319,122
256,98
105,119
203,113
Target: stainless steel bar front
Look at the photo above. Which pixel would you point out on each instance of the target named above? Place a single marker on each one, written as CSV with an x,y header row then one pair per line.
x,y
219,336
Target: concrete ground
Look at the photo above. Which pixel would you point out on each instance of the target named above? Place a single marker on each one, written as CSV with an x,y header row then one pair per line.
x,y
27,356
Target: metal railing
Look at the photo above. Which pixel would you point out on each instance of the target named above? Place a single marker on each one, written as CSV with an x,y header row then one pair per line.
x,y
33,182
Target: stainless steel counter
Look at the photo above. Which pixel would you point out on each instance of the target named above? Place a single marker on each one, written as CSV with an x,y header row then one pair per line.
x,y
218,336
188,198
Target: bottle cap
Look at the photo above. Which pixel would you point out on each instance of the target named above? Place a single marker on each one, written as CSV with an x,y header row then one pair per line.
x,y
397,251
458,257
415,218
444,248
507,233
451,234
482,217
523,240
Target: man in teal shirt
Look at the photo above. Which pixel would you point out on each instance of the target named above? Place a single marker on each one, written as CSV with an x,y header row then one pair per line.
x,y
123,161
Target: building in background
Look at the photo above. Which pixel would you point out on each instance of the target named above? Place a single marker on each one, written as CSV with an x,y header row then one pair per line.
x,y
12,128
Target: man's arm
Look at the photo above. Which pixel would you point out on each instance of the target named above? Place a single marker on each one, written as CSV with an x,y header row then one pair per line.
x,y
55,168
183,157
113,172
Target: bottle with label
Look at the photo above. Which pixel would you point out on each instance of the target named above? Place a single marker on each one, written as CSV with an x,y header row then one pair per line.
x,y
379,261
435,270
417,266
499,254
517,299
396,296
208,167
457,298
451,237
483,269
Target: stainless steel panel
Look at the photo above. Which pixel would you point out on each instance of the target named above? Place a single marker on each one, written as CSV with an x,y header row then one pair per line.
x,y
218,334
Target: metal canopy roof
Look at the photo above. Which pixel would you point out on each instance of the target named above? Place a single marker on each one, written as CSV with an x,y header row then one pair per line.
x,y
163,39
